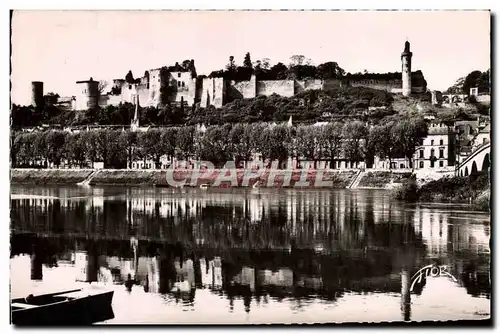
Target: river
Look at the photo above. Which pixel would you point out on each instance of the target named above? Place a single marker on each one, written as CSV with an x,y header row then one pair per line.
x,y
219,256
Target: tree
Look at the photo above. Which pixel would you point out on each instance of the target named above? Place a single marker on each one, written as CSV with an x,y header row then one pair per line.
x,y
275,143
297,60
331,139
91,149
382,141
265,63
213,145
307,142
478,79
76,147
278,72
408,134
353,133
101,86
330,70
231,65
185,142
55,141
128,140
151,145
241,142
168,139
247,62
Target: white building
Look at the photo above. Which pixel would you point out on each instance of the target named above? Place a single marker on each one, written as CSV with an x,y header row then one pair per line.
x,y
437,150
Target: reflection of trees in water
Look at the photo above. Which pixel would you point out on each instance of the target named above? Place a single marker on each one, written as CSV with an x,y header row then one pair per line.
x,y
331,242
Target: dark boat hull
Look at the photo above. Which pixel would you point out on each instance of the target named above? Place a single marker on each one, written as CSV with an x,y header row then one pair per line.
x,y
76,312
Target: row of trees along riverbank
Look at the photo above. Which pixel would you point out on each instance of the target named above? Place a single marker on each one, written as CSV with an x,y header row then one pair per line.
x,y
353,141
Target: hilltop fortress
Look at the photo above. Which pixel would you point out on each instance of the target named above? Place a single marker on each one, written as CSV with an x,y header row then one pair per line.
x,y
181,85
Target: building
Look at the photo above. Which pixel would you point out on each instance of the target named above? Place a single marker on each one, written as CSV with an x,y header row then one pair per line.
x,y
438,148
37,99
180,85
87,94
406,69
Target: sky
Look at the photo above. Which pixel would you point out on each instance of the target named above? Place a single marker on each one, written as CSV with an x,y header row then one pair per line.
x,y
62,47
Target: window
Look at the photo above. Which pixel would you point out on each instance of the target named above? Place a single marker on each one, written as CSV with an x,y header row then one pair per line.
x,y
179,75
421,164
432,153
129,86
432,142
401,166
183,84
441,153
440,142
441,163
421,153
178,83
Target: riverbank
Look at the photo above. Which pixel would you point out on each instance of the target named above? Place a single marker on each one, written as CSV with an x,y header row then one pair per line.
x,y
383,179
471,190
219,178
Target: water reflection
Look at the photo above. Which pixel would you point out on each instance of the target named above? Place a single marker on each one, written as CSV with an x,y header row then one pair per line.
x,y
247,245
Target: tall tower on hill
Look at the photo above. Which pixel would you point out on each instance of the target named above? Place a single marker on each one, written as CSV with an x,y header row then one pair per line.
x,y
406,64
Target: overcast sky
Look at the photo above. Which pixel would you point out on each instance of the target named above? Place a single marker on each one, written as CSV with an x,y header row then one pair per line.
x,y
61,47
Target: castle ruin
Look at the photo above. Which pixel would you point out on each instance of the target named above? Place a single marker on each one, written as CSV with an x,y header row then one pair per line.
x,y
179,85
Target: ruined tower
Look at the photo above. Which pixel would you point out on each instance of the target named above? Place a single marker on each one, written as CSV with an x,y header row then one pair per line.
x,y
406,70
37,94
87,94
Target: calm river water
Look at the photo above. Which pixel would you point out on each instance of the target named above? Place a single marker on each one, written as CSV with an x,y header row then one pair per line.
x,y
251,255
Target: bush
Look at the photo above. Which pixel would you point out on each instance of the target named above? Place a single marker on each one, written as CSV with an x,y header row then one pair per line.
x,y
407,192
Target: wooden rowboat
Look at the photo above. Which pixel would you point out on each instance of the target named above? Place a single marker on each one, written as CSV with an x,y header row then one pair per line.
x,y
73,307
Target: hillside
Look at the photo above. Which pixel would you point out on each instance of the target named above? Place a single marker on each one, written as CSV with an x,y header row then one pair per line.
x,y
311,106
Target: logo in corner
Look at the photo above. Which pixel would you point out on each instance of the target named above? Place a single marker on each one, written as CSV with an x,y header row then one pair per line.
x,y
433,271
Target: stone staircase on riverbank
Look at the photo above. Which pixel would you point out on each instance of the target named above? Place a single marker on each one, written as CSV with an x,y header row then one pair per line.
x,y
89,178
355,181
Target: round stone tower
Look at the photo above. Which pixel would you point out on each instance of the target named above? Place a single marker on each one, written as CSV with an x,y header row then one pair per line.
x,y
37,94
87,94
406,70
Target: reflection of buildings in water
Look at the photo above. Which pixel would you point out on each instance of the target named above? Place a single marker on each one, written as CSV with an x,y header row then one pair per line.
x,y
281,278
310,282
95,203
253,207
433,226
185,280
87,266
246,277
36,263
167,207
211,273
442,234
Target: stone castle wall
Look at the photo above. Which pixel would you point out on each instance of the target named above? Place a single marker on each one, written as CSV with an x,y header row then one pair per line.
x,y
213,92
242,89
303,85
393,86
280,87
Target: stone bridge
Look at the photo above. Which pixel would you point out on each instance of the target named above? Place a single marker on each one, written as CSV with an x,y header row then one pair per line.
x,y
453,98
478,161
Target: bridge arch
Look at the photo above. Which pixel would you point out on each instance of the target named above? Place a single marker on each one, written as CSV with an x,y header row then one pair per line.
x,y
486,163
473,169
477,162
